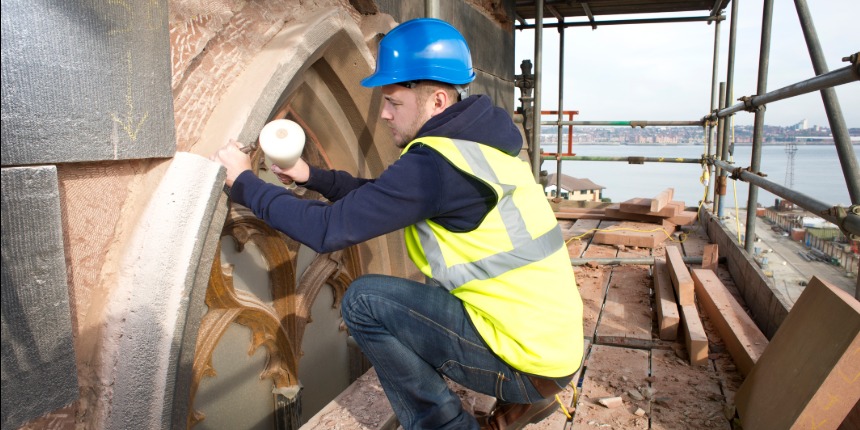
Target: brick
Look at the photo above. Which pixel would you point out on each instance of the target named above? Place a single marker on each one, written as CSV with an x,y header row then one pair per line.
x,y
710,256
643,206
611,402
809,375
683,218
662,199
632,234
694,335
668,317
743,339
681,279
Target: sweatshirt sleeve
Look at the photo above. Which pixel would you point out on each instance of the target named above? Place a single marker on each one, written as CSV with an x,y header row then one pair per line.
x,y
332,184
407,192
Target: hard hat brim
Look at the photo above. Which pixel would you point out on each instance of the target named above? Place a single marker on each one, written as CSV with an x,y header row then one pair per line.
x,y
427,74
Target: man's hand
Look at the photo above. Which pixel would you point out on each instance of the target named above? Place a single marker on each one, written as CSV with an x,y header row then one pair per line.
x,y
300,172
231,156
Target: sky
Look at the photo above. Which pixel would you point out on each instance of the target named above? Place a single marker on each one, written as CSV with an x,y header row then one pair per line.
x,y
663,71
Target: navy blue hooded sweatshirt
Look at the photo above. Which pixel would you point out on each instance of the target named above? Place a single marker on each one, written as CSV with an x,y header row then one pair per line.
x,y
420,185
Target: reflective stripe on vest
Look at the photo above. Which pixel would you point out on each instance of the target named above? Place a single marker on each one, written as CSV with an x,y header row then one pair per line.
x,y
526,250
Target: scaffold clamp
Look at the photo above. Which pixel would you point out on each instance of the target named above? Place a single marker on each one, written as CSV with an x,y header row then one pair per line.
x,y
748,104
854,59
841,215
736,173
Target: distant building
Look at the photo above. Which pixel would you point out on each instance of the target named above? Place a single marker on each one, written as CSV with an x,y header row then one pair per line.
x,y
576,189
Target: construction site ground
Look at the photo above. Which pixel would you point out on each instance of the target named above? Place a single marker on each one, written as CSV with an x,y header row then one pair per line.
x,y
790,271
624,357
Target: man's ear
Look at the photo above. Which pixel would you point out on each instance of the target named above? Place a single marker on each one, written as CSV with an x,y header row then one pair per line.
x,y
441,101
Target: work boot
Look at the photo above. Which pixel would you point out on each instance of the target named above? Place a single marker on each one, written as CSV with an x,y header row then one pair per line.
x,y
514,416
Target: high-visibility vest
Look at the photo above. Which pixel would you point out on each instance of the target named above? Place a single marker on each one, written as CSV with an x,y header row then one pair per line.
x,y
513,271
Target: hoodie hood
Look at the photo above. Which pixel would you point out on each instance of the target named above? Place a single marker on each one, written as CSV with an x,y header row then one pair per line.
x,y
477,120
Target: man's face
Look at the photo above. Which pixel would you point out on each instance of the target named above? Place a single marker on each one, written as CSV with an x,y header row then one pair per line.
x,y
405,111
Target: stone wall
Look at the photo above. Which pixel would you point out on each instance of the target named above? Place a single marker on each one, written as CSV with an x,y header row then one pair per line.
x,y
123,198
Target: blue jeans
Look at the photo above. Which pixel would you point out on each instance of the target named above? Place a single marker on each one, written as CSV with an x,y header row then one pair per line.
x,y
414,333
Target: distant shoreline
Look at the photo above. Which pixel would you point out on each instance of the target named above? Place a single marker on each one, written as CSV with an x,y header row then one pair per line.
x,y
564,145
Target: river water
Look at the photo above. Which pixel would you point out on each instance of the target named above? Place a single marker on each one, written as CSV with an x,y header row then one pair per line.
x,y
817,172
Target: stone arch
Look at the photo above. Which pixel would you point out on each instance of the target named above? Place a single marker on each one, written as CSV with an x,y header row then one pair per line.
x,y
308,72
313,68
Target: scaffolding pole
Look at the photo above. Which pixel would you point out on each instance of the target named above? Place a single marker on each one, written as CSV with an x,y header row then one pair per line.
x,y
560,104
431,9
629,160
634,124
827,80
632,260
534,155
719,182
595,24
730,77
758,127
831,105
714,96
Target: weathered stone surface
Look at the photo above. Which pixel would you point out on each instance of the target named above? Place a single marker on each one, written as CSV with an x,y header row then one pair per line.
x,y
39,372
158,300
85,81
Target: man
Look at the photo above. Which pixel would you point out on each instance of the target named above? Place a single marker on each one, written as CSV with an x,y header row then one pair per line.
x,y
501,314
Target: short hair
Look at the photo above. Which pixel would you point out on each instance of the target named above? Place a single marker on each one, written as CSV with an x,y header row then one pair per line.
x,y
427,87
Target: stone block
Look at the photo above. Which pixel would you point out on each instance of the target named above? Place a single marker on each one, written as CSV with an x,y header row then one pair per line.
x,y
39,370
85,82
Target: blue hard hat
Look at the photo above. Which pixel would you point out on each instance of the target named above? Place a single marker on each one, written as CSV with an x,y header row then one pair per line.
x,y
422,49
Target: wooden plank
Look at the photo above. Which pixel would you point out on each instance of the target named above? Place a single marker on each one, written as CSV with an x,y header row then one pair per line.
x,y
710,256
685,397
626,316
681,279
612,371
809,375
582,229
639,205
572,216
684,218
662,199
742,337
629,233
577,236
615,212
596,250
668,317
592,283
580,211
562,205
695,337
643,206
